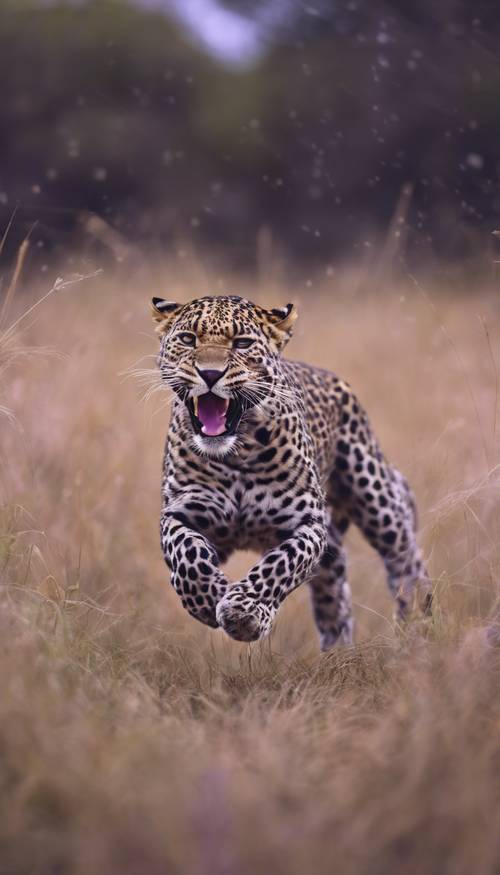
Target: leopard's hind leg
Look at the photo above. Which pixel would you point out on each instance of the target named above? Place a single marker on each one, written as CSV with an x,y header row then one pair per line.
x,y
378,499
404,563
331,593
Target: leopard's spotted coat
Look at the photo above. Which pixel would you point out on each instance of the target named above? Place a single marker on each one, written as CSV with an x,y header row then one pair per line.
x,y
302,463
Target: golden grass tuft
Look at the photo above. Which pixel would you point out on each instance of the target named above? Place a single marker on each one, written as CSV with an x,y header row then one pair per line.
x,y
135,741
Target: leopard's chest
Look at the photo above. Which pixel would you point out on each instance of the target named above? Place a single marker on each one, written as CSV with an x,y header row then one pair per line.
x,y
257,518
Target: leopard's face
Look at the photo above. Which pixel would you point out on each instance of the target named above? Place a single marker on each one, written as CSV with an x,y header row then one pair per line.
x,y
219,355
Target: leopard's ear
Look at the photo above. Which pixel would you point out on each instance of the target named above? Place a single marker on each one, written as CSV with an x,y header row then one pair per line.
x,y
163,313
280,321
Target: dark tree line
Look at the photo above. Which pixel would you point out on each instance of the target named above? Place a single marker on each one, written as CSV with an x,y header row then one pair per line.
x,y
111,118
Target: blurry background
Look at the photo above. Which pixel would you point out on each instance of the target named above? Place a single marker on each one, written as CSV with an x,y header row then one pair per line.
x,y
244,126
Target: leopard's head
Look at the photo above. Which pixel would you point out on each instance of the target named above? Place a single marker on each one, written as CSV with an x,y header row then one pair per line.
x,y
220,355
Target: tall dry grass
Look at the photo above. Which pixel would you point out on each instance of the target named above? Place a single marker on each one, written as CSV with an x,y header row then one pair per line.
x,y
134,740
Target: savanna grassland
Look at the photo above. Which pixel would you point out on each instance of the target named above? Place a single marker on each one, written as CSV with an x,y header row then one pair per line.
x,y
134,741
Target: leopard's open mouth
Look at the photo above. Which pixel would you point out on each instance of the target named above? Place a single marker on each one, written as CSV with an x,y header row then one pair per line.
x,y
213,416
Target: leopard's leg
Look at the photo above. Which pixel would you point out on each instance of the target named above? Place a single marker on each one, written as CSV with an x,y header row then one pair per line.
x,y
331,594
194,565
379,500
404,561
247,611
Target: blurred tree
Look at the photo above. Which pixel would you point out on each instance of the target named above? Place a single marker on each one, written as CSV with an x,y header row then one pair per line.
x,y
112,109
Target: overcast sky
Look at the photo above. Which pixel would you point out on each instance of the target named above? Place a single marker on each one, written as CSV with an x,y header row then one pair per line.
x,y
231,37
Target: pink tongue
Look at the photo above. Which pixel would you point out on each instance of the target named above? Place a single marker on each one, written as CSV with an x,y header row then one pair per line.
x,y
212,414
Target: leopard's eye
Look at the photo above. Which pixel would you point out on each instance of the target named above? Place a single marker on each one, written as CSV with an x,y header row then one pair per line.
x,y
242,342
187,338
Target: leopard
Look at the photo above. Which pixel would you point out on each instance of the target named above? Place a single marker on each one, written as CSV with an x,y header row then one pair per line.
x,y
277,457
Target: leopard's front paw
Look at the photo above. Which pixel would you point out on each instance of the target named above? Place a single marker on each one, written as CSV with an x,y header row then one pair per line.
x,y
242,617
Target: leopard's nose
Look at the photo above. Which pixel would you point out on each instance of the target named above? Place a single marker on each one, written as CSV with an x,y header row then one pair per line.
x,y
210,376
